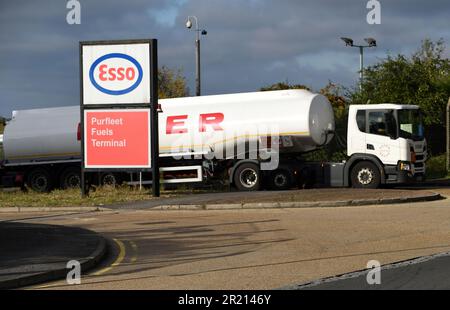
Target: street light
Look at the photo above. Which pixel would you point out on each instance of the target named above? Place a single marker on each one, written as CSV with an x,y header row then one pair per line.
x,y
371,43
197,50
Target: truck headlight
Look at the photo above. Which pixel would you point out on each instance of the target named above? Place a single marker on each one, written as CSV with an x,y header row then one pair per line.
x,y
404,166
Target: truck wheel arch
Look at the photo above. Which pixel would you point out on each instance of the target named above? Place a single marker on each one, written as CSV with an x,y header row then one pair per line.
x,y
356,158
237,164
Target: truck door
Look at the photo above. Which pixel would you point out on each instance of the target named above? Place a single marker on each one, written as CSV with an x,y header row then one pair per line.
x,y
381,136
357,135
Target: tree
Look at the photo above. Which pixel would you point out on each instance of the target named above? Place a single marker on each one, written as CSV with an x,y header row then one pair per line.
x,y
2,124
422,79
335,150
283,85
172,84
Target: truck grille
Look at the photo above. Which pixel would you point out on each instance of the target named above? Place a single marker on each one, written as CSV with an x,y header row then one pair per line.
x,y
419,165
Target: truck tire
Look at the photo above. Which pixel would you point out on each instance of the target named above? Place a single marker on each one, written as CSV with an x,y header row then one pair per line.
x,y
247,177
109,179
70,178
365,174
280,179
39,180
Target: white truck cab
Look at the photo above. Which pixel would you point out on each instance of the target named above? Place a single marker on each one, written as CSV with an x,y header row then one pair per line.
x,y
385,144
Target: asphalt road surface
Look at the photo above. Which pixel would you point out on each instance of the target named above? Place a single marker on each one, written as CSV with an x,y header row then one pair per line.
x,y
258,249
425,273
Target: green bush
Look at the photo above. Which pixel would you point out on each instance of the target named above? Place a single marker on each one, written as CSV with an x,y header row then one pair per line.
x,y
436,167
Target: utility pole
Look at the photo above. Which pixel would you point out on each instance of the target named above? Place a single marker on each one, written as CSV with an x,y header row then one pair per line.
x,y
197,51
371,43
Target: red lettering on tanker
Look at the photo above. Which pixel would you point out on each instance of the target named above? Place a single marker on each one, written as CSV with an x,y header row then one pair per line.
x,y
117,138
211,119
176,123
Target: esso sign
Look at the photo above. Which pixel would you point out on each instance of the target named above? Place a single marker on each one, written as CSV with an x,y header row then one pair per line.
x,y
111,74
115,74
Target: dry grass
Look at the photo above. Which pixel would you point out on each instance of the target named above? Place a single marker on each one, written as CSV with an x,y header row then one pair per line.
x,y
72,197
98,196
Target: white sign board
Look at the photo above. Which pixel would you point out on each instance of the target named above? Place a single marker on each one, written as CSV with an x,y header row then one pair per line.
x,y
116,74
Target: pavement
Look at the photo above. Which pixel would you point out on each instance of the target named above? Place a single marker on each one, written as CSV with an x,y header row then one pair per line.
x,y
423,273
34,253
250,248
324,197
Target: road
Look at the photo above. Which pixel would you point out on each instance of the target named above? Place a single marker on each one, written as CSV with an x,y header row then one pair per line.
x,y
425,273
251,249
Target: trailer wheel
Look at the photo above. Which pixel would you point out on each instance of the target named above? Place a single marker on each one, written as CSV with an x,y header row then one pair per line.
x,y
365,175
39,180
247,177
109,179
70,178
280,179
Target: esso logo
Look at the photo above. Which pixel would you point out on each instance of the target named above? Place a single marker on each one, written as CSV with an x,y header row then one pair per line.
x,y
115,74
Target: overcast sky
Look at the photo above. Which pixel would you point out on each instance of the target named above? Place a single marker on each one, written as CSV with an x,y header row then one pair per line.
x,y
249,43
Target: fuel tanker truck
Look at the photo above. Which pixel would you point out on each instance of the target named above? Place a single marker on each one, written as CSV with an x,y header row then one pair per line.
x,y
248,140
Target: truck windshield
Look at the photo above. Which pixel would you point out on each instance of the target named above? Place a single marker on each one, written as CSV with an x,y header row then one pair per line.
x,y
410,124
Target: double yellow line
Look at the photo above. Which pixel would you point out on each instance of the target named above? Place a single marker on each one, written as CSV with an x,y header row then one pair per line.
x,y
118,260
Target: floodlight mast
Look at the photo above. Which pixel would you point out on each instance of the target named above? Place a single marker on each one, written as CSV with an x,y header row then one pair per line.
x,y
197,50
371,43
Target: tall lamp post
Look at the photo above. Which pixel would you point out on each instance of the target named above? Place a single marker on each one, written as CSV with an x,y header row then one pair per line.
x,y
371,43
197,50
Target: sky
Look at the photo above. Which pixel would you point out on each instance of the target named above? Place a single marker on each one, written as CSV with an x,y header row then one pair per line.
x,y
250,44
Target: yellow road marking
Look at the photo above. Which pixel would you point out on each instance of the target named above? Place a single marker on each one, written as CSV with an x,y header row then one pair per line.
x,y
134,246
118,260
43,286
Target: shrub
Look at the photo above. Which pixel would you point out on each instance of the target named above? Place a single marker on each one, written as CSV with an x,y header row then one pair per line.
x,y
436,167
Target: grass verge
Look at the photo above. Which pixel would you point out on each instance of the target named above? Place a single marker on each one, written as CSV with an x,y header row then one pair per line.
x,y
98,196
71,197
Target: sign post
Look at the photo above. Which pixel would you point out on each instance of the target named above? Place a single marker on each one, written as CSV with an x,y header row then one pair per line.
x,y
118,108
154,122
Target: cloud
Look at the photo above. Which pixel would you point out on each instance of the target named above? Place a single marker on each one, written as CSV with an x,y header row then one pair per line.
x,y
249,44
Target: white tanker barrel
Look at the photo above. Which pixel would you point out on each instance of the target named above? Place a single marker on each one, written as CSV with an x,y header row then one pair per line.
x,y
42,135
206,124
212,123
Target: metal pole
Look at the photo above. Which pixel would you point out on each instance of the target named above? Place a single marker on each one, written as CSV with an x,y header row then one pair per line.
x,y
361,66
197,68
154,118
83,179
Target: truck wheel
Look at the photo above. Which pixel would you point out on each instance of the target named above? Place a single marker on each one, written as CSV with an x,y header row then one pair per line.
x,y
280,180
70,178
365,175
39,180
247,177
109,179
